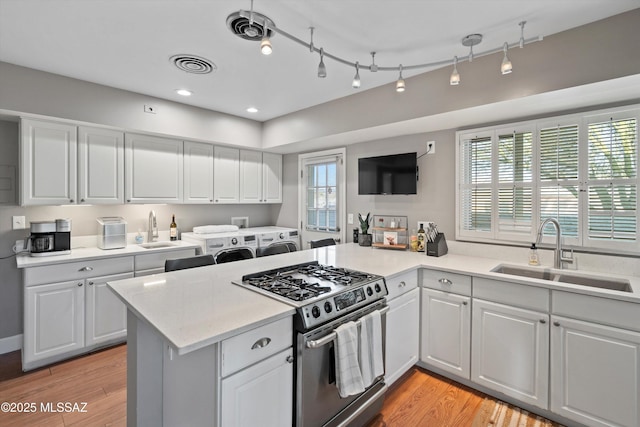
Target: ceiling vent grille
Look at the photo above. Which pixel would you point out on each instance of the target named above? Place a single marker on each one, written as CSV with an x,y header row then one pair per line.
x,y
240,25
193,64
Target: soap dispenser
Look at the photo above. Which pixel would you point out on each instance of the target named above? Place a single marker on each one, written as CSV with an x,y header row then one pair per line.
x,y
533,255
139,237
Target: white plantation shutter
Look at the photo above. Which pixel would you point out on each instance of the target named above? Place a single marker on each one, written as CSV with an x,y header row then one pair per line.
x,y
612,180
581,169
559,186
475,185
515,185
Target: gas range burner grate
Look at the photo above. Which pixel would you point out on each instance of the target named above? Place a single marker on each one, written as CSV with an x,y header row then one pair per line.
x,y
287,286
334,274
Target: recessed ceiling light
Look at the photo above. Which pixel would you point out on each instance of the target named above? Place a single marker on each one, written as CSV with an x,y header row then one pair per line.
x,y
183,92
252,110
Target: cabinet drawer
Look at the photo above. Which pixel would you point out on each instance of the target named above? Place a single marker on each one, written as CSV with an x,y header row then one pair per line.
x,y
447,282
77,270
156,260
402,283
247,348
622,314
511,293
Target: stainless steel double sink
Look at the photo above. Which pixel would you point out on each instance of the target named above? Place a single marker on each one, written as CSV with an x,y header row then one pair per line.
x,y
563,276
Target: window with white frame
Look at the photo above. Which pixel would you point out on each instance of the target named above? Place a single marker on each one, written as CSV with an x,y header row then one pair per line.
x,y
579,169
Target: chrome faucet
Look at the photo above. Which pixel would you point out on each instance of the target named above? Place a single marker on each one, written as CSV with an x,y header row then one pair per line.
x,y
152,235
558,259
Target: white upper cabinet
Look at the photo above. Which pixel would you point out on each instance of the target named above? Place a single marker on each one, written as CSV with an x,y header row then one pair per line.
x,y
100,166
260,177
198,172
48,163
251,176
153,169
272,178
226,175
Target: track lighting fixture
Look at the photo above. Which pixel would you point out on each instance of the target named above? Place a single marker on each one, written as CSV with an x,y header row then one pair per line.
x,y
400,87
506,66
356,79
322,70
247,25
265,43
454,80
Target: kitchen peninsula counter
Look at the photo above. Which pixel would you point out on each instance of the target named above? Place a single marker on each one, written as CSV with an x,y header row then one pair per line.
x,y
194,308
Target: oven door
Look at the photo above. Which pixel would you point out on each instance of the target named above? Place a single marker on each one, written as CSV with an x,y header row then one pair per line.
x,y
317,400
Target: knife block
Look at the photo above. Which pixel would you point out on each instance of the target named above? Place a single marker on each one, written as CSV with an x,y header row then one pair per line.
x,y
438,247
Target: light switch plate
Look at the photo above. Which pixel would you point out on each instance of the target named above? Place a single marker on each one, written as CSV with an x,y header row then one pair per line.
x,y
19,223
350,218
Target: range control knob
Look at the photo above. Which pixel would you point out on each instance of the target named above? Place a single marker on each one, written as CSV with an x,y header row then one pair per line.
x,y
327,307
315,311
369,291
377,287
234,241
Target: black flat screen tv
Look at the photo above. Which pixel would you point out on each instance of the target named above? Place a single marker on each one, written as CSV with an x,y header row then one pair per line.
x,y
394,174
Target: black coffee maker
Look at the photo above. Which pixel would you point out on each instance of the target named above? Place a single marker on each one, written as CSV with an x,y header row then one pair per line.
x,y
50,237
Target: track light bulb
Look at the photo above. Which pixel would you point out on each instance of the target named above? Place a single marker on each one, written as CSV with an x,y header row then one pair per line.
x,y
356,79
506,66
265,44
400,86
454,80
322,70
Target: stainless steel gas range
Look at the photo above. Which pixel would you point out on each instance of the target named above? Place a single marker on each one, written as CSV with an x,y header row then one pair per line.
x,y
325,297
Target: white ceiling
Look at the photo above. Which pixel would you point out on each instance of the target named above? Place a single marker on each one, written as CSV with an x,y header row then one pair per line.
x,y
127,43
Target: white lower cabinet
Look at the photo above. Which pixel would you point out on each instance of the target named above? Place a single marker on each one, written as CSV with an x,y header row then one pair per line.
x,y
261,395
54,320
446,331
595,373
510,351
105,314
403,323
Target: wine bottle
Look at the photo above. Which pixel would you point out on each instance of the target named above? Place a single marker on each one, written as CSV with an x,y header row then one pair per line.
x,y
421,238
173,229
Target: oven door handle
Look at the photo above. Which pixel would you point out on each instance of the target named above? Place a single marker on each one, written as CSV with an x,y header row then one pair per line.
x,y
332,336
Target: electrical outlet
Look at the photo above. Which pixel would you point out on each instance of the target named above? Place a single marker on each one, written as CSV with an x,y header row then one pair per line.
x,y
431,147
19,223
350,218
149,109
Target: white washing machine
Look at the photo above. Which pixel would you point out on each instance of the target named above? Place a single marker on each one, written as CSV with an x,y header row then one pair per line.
x,y
225,247
270,235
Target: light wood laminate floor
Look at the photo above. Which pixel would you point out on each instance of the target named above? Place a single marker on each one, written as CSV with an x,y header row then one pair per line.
x,y
99,380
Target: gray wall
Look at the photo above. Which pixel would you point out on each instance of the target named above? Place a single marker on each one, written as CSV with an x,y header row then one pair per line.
x,y
84,224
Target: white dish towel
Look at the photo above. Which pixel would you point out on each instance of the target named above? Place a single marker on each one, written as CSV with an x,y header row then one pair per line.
x,y
348,375
371,362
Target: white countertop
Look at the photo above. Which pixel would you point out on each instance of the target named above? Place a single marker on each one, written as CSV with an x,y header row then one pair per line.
x,y
85,253
194,308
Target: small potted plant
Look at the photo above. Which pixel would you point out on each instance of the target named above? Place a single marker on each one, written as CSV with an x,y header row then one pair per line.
x,y
365,239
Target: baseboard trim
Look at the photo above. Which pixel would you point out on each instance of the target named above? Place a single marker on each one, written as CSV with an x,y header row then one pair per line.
x,y
10,344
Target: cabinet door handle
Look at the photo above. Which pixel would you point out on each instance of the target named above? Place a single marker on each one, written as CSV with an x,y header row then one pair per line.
x,y
543,321
556,323
402,284
128,200
262,342
90,283
80,284
464,303
289,359
81,200
71,200
86,269
445,281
